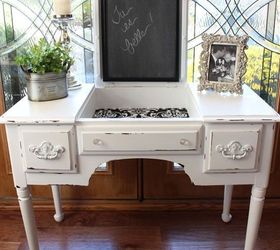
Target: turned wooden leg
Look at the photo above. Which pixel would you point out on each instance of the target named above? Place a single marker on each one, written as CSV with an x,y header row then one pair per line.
x,y
25,203
255,213
58,216
226,216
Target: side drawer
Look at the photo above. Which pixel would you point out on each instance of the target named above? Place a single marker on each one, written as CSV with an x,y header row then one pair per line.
x,y
232,148
50,148
97,141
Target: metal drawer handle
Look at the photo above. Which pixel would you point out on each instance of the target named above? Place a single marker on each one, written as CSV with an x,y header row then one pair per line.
x,y
185,142
234,150
47,151
97,142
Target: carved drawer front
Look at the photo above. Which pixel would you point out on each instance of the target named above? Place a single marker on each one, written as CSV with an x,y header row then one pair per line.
x,y
233,148
49,148
92,141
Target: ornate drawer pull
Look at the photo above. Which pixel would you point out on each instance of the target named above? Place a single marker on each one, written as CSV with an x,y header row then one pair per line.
x,y
47,151
234,150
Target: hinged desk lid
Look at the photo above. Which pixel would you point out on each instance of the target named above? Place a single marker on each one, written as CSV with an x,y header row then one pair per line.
x,y
140,42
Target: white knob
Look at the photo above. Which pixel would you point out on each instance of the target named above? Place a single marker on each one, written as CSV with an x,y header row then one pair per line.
x,y
185,142
97,142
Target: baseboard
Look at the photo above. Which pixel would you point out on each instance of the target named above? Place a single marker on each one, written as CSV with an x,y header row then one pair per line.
x,y
128,205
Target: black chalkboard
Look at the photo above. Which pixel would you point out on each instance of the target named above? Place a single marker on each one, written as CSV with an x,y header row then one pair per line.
x,y
140,40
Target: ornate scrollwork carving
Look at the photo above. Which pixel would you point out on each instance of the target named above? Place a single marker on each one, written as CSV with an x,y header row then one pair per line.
x,y
47,151
234,150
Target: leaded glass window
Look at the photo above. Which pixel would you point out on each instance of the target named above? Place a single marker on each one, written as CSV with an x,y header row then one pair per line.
x,y
23,22
259,19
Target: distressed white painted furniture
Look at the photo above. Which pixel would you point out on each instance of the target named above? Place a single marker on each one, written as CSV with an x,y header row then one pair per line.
x,y
227,140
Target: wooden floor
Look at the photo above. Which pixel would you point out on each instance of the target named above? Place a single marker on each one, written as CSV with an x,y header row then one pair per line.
x,y
192,230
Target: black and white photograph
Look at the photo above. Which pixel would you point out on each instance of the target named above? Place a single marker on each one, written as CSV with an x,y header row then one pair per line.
x,y
222,63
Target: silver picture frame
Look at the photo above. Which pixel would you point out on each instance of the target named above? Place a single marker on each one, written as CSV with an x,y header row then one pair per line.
x,y
222,63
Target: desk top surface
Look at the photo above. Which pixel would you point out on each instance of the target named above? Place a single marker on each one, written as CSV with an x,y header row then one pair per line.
x,y
57,111
249,106
212,107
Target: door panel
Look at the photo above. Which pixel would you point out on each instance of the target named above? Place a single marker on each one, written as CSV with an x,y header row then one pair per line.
x,y
162,181
118,182
6,180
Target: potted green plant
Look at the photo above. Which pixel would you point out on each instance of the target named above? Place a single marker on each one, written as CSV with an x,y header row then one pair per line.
x,y
46,66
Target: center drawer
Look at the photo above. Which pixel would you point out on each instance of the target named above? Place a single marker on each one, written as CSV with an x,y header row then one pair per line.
x,y
97,141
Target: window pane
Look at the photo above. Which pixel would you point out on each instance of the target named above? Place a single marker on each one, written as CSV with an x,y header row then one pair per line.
x,y
259,19
24,22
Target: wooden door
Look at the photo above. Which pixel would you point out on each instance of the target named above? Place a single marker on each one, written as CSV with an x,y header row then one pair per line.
x,y
117,180
163,181
6,180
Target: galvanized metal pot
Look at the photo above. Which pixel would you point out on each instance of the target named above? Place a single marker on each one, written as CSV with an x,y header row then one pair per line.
x,y
46,87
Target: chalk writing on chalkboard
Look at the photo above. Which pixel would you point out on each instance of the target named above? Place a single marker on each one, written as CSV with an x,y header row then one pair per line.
x,y
140,40
127,19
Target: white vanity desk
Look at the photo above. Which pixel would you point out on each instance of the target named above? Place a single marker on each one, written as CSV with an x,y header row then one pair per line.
x,y
227,140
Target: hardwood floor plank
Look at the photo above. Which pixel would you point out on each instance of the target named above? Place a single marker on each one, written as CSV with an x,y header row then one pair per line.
x,y
9,245
189,230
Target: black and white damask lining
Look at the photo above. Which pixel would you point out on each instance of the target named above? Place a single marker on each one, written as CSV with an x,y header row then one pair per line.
x,y
142,113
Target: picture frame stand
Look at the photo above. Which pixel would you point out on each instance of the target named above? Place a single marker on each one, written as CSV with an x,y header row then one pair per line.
x,y
223,63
